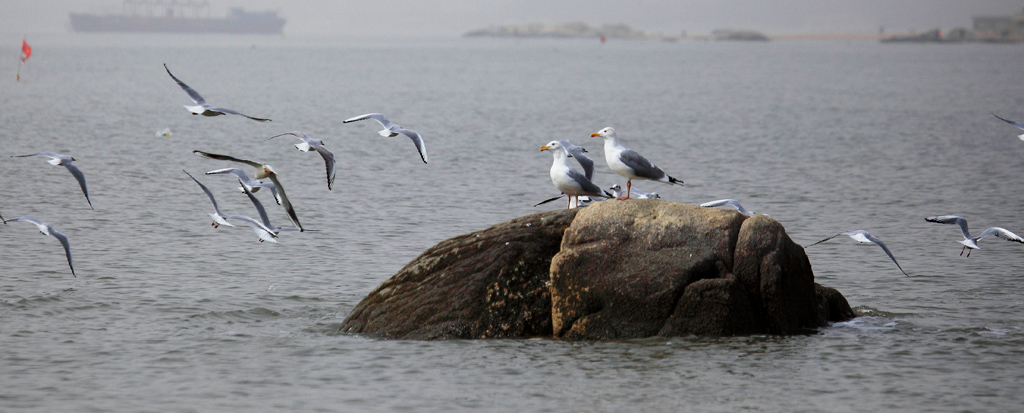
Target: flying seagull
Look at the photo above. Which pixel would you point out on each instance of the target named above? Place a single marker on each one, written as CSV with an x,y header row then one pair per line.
x,y
1016,124
864,237
735,204
252,184
47,229
67,162
971,243
567,180
264,233
391,129
263,213
317,145
630,164
262,171
203,108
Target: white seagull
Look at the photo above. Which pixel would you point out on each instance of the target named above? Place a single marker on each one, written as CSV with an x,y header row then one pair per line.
x,y
317,145
616,191
567,180
735,204
1016,124
263,213
203,108
47,229
864,237
579,154
264,233
67,162
630,164
391,129
262,171
971,243
252,184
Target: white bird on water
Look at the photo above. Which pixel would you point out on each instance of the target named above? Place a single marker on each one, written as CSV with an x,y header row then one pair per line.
x,y
262,231
47,229
630,164
391,130
262,171
203,108
67,162
567,180
1018,125
969,242
864,237
317,145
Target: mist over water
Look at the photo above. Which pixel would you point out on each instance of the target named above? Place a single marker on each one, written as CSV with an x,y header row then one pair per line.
x,y
168,313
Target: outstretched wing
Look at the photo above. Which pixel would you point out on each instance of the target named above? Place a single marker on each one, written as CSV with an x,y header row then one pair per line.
x,y
254,164
383,121
549,200
952,219
328,163
235,112
67,248
259,206
207,191
1017,124
285,203
416,139
875,240
826,239
192,94
81,180
1001,233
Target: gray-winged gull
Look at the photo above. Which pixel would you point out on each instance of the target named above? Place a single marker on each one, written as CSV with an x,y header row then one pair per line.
x,y
203,108
863,236
567,180
262,171
262,231
67,162
969,242
317,145
391,129
630,164
47,229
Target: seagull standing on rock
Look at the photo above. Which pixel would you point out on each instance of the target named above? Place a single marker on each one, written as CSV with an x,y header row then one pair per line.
x,y
630,164
567,180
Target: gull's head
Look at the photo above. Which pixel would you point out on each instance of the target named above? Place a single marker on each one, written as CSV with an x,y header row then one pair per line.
x,y
267,170
604,133
551,146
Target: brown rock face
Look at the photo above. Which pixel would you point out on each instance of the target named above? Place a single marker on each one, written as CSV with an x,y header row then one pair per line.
x,y
486,284
613,270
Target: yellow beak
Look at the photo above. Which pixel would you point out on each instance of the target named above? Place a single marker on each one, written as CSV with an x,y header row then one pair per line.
x,y
545,147
594,134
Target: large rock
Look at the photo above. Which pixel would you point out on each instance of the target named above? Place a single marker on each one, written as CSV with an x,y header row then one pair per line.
x,y
630,269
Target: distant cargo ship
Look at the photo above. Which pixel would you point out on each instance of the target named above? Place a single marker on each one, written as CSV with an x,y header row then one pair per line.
x,y
137,16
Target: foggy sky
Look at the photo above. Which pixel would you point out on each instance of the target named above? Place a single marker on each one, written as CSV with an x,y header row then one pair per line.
x,y
451,18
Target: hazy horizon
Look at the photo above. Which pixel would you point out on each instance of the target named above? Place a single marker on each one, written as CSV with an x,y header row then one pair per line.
x,y
451,18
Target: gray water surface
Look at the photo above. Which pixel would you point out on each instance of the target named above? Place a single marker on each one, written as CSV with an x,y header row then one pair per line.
x,y
170,314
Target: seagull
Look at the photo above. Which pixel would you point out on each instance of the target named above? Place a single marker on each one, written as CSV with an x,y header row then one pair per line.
x,y
1016,124
391,130
630,164
252,184
263,213
262,171
264,233
864,237
567,180
317,145
579,154
47,229
204,108
582,201
970,242
616,191
736,204
67,162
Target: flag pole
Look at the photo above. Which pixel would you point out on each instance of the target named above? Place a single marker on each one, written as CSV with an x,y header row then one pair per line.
x,y
17,78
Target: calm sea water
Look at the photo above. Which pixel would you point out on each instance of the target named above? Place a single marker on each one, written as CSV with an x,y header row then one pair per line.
x,y
168,313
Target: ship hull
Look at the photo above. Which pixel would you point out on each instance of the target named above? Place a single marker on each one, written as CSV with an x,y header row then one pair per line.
x,y
267,23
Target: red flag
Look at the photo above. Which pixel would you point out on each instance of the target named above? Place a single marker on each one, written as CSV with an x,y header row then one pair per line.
x,y
26,50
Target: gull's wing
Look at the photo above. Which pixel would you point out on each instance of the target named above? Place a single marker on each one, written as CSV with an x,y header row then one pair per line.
x,y
242,176
46,154
285,203
375,116
67,247
549,200
259,206
952,219
207,191
1017,124
1001,233
254,164
235,112
416,139
81,180
328,163
641,166
826,239
192,94
875,240
583,182
297,134
261,230
577,152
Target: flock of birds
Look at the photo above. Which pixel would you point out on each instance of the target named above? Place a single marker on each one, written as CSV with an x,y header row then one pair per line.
x,y
577,186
